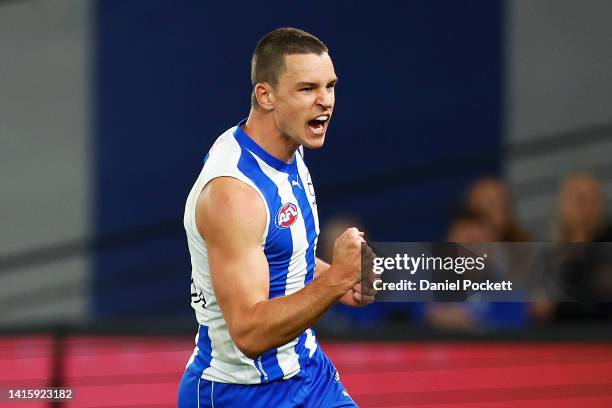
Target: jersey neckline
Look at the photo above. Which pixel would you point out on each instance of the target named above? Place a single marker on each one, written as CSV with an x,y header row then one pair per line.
x,y
245,141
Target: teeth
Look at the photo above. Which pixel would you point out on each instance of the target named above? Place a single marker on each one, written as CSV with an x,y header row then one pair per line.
x,y
322,117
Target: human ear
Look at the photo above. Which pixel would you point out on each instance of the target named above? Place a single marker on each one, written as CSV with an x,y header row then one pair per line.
x,y
265,95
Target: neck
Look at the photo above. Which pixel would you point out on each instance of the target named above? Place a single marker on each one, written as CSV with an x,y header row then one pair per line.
x,y
261,127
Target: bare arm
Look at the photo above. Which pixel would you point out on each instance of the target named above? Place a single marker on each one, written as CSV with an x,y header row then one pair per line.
x,y
231,217
354,296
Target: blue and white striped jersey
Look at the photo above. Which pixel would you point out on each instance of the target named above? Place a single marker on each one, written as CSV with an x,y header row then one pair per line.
x,y
289,244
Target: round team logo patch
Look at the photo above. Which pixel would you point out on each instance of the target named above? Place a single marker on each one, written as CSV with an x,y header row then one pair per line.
x,y
287,215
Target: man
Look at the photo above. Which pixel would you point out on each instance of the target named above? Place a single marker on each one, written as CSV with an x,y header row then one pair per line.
x,y
252,228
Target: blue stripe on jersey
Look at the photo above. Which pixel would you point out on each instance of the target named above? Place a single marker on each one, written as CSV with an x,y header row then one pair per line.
x,y
278,247
202,358
278,261
311,234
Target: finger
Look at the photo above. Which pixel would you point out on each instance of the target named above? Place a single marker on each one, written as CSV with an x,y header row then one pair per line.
x,y
363,299
364,288
367,254
372,276
368,300
359,298
368,290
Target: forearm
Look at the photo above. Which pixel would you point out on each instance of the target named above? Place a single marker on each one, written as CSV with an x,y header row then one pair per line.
x,y
274,322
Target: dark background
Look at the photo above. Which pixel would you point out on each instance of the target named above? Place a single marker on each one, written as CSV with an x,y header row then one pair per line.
x,y
417,117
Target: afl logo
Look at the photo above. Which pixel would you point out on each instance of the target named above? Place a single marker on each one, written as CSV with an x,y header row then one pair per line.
x,y
287,215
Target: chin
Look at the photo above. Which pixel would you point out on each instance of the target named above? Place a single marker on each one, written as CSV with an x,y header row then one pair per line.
x,y
312,140
314,143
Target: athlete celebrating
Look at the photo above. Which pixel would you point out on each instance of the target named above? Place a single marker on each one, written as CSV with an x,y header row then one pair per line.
x,y
252,229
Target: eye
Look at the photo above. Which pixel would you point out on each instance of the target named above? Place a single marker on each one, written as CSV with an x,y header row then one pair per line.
x,y
306,89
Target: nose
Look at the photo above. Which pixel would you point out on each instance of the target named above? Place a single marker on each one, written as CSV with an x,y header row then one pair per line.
x,y
326,98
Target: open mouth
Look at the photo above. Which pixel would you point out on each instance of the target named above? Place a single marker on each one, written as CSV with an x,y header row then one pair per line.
x,y
317,125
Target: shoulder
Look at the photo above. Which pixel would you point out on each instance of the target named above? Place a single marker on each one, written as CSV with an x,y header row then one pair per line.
x,y
224,152
228,206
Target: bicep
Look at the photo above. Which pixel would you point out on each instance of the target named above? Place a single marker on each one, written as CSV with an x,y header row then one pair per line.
x,y
239,279
231,218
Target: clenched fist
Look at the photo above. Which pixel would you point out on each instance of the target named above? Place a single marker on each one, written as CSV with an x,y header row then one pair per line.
x,y
346,260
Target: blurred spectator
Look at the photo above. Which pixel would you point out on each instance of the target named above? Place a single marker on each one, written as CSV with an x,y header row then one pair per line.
x,y
332,229
470,226
581,215
491,198
581,219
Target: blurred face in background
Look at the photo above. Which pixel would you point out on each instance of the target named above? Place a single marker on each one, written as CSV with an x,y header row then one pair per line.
x,y
470,231
581,204
304,98
331,230
491,199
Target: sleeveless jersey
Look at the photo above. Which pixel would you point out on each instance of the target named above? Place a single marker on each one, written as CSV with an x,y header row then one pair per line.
x,y
289,244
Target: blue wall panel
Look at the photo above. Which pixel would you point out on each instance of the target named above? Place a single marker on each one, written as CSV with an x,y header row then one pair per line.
x,y
418,102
